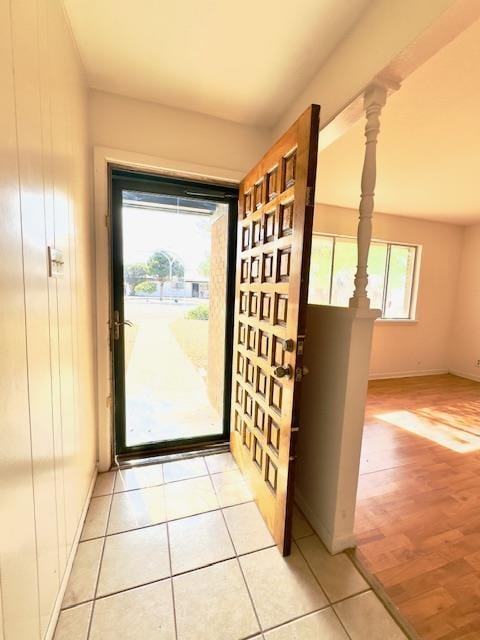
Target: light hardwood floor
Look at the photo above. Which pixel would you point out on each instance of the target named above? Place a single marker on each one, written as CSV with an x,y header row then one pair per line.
x,y
418,510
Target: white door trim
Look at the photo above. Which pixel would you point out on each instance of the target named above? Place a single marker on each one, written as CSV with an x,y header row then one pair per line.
x,y
103,158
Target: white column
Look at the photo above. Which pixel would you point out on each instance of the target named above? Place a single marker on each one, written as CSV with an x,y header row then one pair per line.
x,y
374,99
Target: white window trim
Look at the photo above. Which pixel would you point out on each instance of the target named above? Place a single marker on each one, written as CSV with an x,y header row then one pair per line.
x,y
412,319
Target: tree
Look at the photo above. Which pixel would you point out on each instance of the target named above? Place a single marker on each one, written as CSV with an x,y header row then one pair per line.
x,y
133,274
163,266
204,267
147,286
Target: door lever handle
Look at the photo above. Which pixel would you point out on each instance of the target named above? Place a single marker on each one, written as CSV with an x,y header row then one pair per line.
x,y
117,324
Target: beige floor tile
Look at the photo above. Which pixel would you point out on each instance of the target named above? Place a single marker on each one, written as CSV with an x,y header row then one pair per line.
x,y
189,497
322,625
134,509
220,462
213,604
134,558
73,623
145,613
337,574
247,528
83,578
104,484
184,469
139,477
281,588
365,618
231,488
198,541
300,526
97,517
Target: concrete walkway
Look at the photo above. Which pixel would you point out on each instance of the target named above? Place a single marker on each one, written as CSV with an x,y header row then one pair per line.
x,y
166,396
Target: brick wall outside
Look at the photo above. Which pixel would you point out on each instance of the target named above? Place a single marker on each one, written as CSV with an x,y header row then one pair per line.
x,y
217,311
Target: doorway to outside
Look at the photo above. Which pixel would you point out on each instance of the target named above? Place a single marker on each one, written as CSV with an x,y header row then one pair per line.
x,y
173,245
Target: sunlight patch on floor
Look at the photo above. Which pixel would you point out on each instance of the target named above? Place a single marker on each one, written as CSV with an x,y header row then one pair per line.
x,y
456,432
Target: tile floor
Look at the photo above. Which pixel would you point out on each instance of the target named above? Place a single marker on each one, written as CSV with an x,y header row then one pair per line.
x,y
180,551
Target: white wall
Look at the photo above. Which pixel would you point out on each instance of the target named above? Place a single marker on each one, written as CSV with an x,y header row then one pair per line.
x,y
151,129
422,346
465,340
382,33
47,377
337,353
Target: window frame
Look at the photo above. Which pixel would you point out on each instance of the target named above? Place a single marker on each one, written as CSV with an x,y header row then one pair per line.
x,y
412,311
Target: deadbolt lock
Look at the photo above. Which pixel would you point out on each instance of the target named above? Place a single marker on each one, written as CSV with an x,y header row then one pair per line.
x,y
283,372
288,344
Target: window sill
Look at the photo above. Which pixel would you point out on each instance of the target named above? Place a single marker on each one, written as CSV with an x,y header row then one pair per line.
x,y
396,321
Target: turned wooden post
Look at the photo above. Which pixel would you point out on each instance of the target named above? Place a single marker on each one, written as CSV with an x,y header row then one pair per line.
x,y
374,99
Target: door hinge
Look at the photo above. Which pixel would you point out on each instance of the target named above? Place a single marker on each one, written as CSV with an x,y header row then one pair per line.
x,y
111,333
300,344
300,373
309,198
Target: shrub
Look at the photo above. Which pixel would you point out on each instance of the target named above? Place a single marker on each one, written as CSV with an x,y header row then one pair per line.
x,y
198,313
145,287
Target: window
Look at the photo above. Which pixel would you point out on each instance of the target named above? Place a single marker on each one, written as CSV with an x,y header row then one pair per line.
x,y
391,274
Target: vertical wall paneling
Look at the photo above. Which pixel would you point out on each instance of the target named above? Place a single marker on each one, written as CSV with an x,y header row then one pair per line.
x,y
60,168
17,540
47,349
29,127
45,98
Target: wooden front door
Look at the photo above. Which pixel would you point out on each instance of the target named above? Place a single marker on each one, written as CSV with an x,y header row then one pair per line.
x,y
275,218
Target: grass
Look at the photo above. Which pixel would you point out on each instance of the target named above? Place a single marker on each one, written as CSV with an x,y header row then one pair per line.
x,y
192,336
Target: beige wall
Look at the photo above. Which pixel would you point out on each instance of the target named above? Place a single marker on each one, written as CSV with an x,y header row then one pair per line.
x,y
47,381
147,128
465,341
385,29
422,346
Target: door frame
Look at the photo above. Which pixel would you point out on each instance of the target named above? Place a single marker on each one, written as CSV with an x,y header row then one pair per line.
x,y
119,179
104,159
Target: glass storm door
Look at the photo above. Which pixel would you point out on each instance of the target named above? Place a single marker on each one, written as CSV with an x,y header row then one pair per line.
x,y
170,327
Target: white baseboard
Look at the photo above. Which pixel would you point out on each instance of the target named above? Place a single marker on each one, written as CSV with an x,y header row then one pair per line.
x,y
68,569
467,376
426,372
408,374
334,544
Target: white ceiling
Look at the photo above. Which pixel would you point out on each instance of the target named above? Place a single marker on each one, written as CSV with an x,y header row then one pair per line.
x,y
429,145
238,61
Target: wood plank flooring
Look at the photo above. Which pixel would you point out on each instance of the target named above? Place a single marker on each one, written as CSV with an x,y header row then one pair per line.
x,y
418,509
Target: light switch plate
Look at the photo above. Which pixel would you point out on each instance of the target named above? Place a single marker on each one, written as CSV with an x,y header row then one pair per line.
x,y
55,263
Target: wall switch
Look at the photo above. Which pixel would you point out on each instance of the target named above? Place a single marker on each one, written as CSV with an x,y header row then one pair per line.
x,y
55,263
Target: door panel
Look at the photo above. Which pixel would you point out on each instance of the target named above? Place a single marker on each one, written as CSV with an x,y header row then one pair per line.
x,y
171,246
275,221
